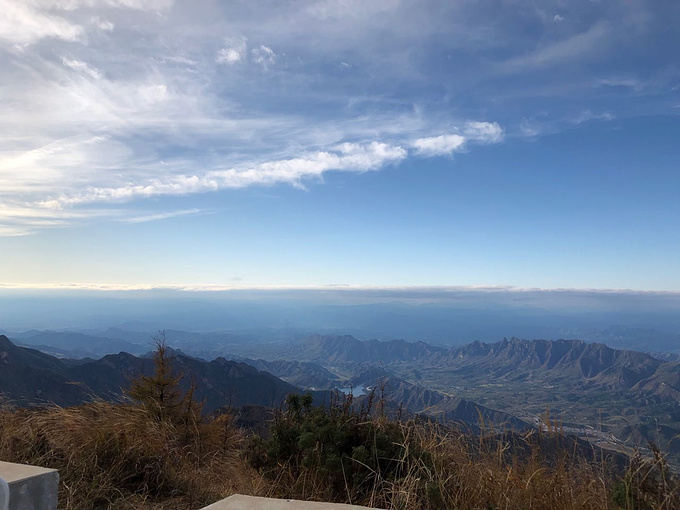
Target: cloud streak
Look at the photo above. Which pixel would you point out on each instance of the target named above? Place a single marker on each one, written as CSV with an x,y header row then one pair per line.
x,y
586,299
24,23
474,131
84,134
587,43
109,101
161,216
439,145
55,208
344,157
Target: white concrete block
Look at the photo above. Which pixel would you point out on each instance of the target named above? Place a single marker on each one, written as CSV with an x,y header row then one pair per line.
x,y
30,487
240,502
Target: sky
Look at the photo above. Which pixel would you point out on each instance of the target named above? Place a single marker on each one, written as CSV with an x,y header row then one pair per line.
x,y
258,144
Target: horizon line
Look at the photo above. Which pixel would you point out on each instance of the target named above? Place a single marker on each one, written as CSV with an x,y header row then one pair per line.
x,y
217,288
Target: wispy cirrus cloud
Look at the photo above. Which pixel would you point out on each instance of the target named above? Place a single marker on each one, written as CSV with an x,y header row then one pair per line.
x,y
82,67
587,115
474,131
108,101
91,137
588,43
295,171
161,216
439,145
264,55
26,23
25,218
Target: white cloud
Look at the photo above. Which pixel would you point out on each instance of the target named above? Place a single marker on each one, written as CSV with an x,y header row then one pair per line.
x,y
529,128
28,21
439,145
22,23
352,9
587,115
344,157
161,216
472,131
635,84
264,55
14,231
142,5
558,19
234,52
586,43
104,25
25,218
483,132
82,67
71,5
99,116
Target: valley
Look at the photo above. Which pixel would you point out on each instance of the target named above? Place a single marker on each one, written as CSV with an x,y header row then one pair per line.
x,y
613,397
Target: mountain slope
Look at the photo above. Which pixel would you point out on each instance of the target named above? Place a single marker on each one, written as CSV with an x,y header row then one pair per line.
x,y
594,365
79,345
29,377
595,391
347,349
304,374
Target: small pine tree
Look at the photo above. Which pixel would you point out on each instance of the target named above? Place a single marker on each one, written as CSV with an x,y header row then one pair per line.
x,y
160,392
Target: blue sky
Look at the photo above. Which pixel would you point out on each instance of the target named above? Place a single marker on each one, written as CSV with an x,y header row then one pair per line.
x,y
152,143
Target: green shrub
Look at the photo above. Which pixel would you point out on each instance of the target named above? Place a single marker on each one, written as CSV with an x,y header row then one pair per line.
x,y
338,448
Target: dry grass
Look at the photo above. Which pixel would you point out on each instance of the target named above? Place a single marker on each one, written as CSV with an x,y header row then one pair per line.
x,y
455,473
449,471
120,456
444,469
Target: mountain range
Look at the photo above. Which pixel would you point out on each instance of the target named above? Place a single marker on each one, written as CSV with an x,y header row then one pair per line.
x,y
30,377
613,397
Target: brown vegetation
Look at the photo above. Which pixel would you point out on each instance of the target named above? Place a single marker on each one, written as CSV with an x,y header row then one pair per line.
x,y
120,456
155,450
345,455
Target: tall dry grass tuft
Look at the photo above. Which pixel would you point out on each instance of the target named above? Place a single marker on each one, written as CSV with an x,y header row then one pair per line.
x,y
455,472
121,456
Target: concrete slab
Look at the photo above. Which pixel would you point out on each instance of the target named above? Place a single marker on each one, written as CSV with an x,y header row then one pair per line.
x,y
240,502
30,487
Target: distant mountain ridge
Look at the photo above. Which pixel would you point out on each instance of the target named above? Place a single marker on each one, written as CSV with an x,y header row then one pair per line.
x,y
597,363
305,374
596,391
30,377
593,361
347,349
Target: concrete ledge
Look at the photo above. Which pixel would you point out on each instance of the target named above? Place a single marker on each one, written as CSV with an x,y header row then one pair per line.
x,y
240,502
30,487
